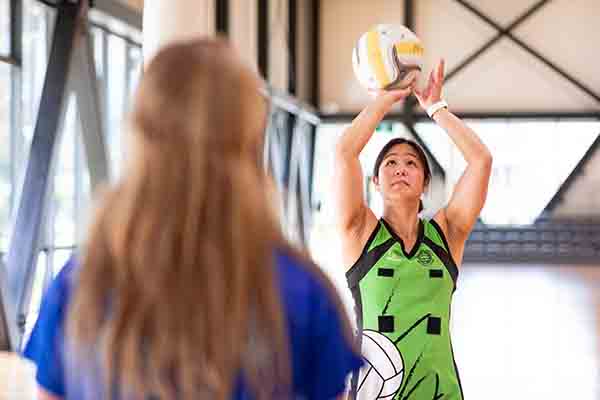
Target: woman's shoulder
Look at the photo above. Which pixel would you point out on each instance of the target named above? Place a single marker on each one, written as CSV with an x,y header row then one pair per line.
x,y
305,288
68,272
322,345
61,286
45,345
299,275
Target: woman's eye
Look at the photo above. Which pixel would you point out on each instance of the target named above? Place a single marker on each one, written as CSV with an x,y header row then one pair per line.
x,y
412,163
391,162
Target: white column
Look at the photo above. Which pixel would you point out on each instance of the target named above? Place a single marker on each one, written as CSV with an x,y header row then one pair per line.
x,y
304,56
168,21
279,46
243,29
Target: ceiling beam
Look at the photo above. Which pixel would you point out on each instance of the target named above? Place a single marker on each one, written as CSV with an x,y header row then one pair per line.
x,y
530,50
477,53
123,11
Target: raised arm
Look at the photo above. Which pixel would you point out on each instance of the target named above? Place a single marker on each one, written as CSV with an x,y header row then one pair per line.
x,y
352,213
470,192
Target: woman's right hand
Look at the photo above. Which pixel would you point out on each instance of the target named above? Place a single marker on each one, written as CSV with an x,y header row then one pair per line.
x,y
363,126
390,97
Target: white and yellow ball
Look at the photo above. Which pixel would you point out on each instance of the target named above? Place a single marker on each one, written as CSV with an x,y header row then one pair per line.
x,y
387,57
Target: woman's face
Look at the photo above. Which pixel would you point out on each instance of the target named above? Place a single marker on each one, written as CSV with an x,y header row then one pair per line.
x,y
401,174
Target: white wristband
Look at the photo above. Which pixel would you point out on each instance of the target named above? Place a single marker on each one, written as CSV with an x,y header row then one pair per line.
x,y
435,107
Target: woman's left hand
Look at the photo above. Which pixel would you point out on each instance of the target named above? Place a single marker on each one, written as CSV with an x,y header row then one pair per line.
x,y
433,91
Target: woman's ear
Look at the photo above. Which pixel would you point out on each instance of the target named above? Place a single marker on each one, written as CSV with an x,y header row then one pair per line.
x,y
375,181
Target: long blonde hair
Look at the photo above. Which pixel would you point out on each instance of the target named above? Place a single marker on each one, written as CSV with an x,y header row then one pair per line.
x,y
177,290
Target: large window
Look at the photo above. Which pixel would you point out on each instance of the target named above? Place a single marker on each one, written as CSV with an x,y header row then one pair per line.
x,y
5,35
527,154
538,154
20,90
5,164
118,61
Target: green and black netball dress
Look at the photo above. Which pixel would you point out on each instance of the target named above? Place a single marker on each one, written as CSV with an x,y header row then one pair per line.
x,y
403,308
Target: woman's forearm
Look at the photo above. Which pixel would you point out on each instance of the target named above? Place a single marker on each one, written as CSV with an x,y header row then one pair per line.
x,y
357,135
467,141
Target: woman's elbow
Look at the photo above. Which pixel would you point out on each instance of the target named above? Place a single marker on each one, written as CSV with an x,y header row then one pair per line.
x,y
344,149
485,159
340,149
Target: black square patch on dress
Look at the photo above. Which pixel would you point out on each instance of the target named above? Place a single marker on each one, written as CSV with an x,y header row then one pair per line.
x,y
436,273
434,325
386,323
386,272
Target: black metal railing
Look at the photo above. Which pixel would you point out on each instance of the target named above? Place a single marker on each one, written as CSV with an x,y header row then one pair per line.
x,y
545,241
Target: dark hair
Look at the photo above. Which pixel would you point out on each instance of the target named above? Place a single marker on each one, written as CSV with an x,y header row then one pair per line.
x,y
420,154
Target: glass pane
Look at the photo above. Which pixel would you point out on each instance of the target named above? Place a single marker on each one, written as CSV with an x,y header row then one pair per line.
x,y
60,258
324,243
116,92
135,71
83,195
37,291
68,211
97,43
5,27
38,22
323,231
118,69
63,196
49,263
525,152
5,158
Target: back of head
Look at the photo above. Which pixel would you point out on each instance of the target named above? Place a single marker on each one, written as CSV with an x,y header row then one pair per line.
x,y
181,247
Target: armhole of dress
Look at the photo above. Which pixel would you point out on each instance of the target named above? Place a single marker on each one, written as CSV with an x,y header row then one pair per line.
x,y
365,248
452,267
440,232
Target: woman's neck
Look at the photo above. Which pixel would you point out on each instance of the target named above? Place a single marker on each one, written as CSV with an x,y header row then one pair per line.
x,y
404,220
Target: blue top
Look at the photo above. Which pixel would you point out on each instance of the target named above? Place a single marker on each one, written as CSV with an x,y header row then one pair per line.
x,y
320,356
